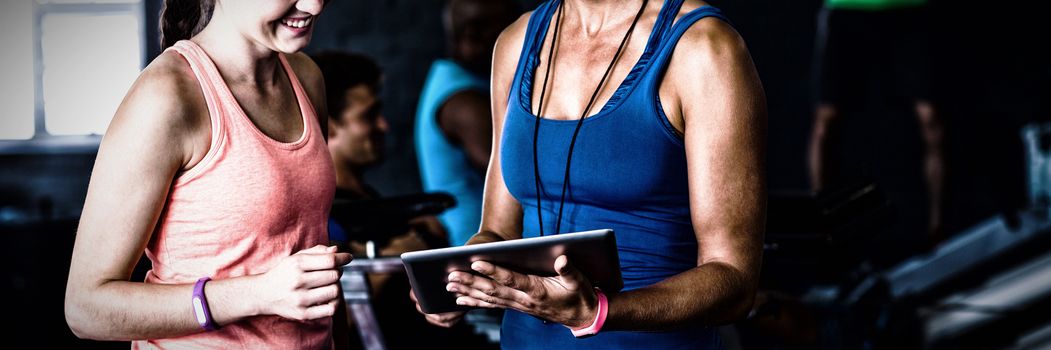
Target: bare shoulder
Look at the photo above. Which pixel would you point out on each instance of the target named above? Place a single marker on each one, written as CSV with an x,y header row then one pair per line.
x,y
709,55
170,75
166,93
509,45
164,112
711,70
710,40
308,72
515,33
506,52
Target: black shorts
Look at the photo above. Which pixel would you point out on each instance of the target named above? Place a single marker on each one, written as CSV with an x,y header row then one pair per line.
x,y
858,51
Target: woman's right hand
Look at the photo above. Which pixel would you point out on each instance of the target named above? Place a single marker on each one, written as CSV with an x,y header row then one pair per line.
x,y
303,286
446,320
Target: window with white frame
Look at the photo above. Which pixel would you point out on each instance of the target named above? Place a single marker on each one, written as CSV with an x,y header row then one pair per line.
x,y
67,65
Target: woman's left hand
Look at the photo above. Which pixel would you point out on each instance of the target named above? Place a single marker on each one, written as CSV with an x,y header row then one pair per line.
x,y
567,298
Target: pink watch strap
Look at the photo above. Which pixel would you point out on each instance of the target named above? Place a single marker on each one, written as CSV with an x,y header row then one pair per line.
x,y
600,317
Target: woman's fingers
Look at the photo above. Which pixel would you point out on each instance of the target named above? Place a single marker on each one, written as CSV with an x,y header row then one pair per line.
x,y
489,293
318,249
314,279
444,320
570,276
322,310
474,302
503,276
321,295
520,289
322,261
497,287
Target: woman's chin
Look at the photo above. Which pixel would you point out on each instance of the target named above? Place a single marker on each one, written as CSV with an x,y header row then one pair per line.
x,y
291,46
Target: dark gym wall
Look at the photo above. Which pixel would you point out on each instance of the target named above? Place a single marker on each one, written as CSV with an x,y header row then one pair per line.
x,y
989,78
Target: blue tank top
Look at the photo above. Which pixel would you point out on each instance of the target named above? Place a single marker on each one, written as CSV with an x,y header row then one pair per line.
x,y
444,167
628,174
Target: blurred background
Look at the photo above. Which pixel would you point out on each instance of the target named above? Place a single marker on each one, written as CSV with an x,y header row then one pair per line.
x,y
851,267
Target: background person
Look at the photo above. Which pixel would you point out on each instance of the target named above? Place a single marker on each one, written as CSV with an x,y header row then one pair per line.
x,y
453,122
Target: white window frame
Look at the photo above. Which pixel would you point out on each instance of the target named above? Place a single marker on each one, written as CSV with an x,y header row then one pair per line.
x,y
43,142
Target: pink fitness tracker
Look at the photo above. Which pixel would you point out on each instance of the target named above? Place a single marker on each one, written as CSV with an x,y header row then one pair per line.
x,y
200,306
600,317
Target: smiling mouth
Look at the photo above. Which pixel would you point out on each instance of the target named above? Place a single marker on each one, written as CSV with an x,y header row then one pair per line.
x,y
301,22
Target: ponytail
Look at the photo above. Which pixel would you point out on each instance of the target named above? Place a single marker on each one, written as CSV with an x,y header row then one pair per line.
x,y
182,19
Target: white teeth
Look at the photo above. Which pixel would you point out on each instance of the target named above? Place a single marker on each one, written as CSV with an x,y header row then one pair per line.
x,y
298,23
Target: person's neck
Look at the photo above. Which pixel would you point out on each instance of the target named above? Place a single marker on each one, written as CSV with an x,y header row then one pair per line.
x,y
479,70
349,177
240,61
591,17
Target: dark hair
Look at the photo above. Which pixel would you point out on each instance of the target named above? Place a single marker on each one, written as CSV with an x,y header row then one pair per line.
x,y
182,19
343,71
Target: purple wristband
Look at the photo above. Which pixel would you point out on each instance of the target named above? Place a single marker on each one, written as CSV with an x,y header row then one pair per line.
x,y
200,306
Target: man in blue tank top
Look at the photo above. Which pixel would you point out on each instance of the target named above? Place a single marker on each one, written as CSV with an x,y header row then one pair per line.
x,y
453,121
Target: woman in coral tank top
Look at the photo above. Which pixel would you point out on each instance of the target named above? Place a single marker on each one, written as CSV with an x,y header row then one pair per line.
x,y
215,166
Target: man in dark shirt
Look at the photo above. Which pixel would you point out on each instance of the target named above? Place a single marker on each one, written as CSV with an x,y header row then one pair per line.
x,y
356,129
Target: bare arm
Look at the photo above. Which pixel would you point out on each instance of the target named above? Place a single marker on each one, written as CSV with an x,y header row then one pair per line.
x,y
724,121
501,212
466,121
160,129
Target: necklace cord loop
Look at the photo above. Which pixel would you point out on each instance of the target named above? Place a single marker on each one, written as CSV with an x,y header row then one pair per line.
x,y
580,121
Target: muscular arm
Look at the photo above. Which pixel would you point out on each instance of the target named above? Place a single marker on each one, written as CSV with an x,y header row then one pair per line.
x,y
465,119
718,103
501,212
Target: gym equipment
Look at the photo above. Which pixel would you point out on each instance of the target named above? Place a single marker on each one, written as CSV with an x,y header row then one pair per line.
x,y
378,219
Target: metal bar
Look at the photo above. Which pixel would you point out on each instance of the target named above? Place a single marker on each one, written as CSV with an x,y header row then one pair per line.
x,y
357,294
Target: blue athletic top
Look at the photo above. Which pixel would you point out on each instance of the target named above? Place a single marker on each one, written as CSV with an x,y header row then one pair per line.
x,y
444,167
628,174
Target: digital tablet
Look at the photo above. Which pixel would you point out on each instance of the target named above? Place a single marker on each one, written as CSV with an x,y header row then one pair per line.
x,y
592,252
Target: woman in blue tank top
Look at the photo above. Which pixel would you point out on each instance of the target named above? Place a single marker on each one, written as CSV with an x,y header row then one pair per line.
x,y
671,159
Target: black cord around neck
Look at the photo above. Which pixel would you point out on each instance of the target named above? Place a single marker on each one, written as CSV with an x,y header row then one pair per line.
x,y
580,121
